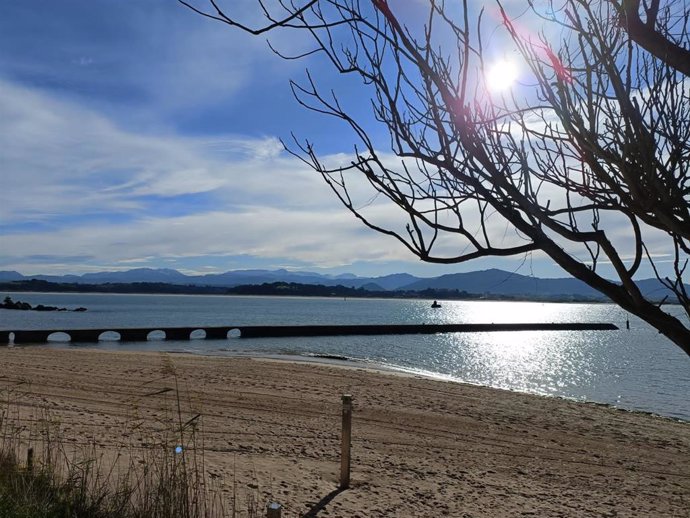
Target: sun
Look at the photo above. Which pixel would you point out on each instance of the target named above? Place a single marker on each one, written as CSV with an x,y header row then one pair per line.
x,y
501,75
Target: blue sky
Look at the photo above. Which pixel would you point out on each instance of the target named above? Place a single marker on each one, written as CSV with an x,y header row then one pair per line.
x,y
138,134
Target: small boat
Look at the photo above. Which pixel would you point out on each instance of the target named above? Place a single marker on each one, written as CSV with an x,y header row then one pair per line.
x,y
436,305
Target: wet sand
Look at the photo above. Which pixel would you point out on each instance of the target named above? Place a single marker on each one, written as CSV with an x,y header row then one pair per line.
x,y
421,447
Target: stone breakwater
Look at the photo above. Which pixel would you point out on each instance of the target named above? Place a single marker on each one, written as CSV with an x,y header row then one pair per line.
x,y
223,332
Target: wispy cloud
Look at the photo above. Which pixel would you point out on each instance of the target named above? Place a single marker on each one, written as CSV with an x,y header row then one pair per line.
x,y
77,185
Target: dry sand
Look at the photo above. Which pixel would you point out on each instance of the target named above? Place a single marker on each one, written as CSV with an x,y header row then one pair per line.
x,y
421,448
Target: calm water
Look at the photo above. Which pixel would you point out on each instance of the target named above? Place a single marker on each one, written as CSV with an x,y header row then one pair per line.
x,y
636,369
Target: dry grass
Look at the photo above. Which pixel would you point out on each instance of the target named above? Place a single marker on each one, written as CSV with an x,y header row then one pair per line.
x,y
43,475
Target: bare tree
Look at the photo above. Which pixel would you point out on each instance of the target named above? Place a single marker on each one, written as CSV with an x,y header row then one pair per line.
x,y
600,140
653,34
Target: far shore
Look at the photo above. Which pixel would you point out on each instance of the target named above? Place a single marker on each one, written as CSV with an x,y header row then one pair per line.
x,y
421,447
284,289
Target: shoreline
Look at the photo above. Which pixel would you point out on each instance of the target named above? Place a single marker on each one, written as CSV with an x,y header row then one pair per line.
x,y
395,370
352,363
421,447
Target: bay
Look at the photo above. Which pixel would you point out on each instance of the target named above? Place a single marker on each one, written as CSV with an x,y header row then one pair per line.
x,y
635,369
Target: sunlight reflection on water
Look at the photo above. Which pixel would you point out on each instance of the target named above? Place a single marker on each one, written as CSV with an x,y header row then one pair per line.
x,y
542,362
513,312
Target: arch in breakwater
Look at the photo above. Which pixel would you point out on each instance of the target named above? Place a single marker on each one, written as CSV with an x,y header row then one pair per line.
x,y
59,336
198,334
156,335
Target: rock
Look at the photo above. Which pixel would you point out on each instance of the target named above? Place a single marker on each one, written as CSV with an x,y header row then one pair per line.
x,y
8,303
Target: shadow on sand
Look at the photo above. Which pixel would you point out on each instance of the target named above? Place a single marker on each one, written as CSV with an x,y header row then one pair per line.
x,y
321,504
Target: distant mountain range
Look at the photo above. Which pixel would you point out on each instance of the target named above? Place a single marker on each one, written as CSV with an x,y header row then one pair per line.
x,y
227,279
486,282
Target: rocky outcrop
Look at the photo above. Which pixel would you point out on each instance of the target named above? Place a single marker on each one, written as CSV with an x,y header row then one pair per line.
x,y
8,303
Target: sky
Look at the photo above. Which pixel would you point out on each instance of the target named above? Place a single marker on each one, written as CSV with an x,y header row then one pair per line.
x,y
139,134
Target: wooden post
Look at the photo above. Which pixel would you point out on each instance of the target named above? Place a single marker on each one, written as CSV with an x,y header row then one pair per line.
x,y
30,460
346,441
273,510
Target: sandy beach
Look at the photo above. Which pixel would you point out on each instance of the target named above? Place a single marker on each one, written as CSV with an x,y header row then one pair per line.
x,y
421,448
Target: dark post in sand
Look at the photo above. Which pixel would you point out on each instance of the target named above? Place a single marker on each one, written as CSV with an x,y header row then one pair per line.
x,y
346,442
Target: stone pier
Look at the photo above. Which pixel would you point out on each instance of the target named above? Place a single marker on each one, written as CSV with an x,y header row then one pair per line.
x,y
41,336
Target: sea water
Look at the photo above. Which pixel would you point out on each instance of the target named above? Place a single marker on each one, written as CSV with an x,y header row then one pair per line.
x,y
635,369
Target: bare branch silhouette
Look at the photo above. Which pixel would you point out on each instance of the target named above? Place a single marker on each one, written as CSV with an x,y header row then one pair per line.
x,y
599,145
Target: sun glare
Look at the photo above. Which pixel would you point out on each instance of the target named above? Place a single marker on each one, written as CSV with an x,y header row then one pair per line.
x,y
501,75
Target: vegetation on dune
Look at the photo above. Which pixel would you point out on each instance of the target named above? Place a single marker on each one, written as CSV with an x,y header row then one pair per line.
x,y
167,479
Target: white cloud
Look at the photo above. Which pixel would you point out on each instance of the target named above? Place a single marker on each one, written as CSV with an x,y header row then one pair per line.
x,y
325,239
63,164
59,158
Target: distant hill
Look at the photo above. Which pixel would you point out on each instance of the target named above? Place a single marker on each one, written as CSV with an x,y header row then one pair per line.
x,y
500,282
395,281
490,283
493,282
10,276
227,279
136,275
